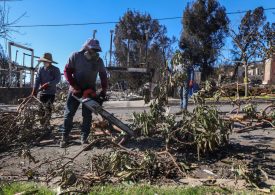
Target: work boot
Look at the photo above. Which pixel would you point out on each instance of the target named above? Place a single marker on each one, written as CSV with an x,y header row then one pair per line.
x,y
84,140
48,131
64,141
181,112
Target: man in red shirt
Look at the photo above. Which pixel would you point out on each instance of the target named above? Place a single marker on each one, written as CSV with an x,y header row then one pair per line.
x,y
81,73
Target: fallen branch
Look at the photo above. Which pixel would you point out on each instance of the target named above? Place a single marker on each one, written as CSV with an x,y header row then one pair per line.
x,y
250,128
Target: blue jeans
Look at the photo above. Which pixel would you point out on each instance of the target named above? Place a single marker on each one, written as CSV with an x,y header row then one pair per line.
x,y
184,92
70,109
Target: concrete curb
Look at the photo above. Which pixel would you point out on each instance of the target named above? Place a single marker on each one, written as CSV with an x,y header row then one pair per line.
x,y
171,102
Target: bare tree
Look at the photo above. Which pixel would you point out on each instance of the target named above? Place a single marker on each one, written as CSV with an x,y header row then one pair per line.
x,y
6,26
254,40
6,31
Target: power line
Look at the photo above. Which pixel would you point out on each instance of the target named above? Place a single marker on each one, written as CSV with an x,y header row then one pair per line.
x,y
110,22
241,12
60,25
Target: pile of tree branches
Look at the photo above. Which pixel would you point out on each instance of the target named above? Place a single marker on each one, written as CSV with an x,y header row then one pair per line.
x,y
123,165
115,166
203,129
59,103
23,125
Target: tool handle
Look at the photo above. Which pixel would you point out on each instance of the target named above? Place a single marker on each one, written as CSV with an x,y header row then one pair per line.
x,y
99,99
77,98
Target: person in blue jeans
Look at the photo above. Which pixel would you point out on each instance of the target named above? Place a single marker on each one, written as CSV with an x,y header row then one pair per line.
x,y
183,74
186,87
81,72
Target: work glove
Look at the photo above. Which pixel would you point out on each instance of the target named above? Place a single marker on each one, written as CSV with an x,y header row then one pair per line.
x,y
102,93
102,97
76,90
44,86
89,93
190,83
34,92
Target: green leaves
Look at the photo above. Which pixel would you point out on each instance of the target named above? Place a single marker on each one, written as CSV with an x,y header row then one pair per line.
x,y
203,129
148,123
250,110
213,131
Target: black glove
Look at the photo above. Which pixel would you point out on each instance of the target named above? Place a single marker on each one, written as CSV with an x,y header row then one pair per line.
x,y
102,94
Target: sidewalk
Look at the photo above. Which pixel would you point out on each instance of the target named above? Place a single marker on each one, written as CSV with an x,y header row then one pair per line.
x,y
171,102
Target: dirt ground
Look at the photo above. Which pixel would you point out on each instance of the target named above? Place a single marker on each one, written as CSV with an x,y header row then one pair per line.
x,y
256,148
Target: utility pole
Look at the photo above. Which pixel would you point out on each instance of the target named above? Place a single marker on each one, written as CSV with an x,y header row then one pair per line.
x,y
10,64
105,57
245,79
146,48
128,47
111,45
94,32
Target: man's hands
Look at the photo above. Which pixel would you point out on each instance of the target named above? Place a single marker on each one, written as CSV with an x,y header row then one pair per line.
x,y
76,90
89,93
190,83
34,92
44,86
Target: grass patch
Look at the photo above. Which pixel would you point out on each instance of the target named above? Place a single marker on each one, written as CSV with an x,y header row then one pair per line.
x,y
24,188
158,190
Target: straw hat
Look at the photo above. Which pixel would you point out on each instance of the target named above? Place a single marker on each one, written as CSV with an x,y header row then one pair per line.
x,y
47,57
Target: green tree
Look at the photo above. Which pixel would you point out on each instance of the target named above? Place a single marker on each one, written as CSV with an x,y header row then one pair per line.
x,y
205,26
145,40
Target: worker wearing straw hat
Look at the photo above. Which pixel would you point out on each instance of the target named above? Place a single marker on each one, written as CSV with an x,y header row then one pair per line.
x,y
48,76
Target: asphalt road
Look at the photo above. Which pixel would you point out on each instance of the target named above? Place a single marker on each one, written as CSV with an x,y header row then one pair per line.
x,y
126,109
123,110
173,109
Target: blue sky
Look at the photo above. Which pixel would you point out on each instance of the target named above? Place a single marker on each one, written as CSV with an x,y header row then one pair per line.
x,y
62,41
